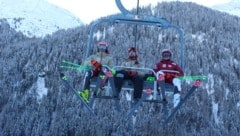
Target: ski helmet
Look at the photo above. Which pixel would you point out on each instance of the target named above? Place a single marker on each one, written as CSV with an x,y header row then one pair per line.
x,y
132,54
102,46
166,54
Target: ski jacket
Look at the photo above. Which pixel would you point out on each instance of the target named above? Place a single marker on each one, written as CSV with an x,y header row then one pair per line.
x,y
100,57
132,63
168,65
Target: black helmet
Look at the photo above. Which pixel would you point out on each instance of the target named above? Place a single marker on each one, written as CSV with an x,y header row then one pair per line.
x,y
166,54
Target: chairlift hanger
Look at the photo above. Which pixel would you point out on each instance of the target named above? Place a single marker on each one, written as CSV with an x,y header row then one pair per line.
x,y
129,18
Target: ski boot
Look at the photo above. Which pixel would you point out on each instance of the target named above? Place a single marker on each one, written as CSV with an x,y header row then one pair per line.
x,y
85,95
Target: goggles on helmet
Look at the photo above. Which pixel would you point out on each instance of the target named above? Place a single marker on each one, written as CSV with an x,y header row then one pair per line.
x,y
100,47
166,55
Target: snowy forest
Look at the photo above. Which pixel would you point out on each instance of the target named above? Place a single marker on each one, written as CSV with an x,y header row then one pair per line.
x,y
212,41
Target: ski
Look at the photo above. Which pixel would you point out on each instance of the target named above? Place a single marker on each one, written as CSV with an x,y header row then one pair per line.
x,y
74,66
153,101
117,100
106,97
192,77
162,85
101,82
193,88
140,101
68,85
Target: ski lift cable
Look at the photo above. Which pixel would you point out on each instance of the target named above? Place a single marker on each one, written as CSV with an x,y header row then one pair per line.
x,y
136,28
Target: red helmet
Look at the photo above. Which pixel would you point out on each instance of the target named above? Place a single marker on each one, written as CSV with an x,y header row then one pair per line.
x,y
166,54
102,46
132,51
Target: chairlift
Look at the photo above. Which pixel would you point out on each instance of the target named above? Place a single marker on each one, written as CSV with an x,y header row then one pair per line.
x,y
127,17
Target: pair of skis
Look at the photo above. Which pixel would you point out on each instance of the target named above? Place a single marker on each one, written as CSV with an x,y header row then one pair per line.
x,y
68,85
196,84
101,83
145,95
108,77
182,101
74,66
162,84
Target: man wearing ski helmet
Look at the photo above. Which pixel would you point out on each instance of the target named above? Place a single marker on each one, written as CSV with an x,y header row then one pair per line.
x,y
95,61
136,77
164,68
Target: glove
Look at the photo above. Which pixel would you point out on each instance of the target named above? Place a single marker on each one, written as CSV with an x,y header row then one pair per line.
x,y
96,65
113,71
161,77
109,73
149,77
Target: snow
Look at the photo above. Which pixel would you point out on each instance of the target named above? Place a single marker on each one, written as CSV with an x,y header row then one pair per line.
x,y
41,89
227,91
215,112
36,17
128,96
40,17
199,37
98,35
238,104
210,84
232,7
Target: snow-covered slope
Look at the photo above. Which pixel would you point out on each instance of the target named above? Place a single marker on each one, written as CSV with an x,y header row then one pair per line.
x,y
232,7
36,17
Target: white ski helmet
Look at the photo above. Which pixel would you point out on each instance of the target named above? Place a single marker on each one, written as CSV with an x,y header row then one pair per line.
x,y
102,46
166,54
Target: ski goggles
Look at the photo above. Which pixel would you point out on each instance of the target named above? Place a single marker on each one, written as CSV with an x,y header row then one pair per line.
x,y
166,54
102,47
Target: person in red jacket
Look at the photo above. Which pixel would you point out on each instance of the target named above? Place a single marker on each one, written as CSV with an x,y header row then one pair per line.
x,y
169,71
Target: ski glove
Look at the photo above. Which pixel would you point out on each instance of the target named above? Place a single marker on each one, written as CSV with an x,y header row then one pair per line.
x,y
97,67
113,71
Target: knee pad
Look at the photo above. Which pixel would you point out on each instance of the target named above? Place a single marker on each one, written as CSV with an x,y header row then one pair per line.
x,y
177,83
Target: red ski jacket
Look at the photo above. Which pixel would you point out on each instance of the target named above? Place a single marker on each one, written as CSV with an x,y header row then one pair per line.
x,y
168,65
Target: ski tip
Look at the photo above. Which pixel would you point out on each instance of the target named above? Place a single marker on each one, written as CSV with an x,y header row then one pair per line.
x,y
63,77
192,77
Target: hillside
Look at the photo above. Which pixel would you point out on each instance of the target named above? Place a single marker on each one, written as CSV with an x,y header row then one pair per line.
x,y
232,7
42,105
36,17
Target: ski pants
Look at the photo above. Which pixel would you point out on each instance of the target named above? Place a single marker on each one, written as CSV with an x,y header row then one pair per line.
x,y
87,78
136,80
175,81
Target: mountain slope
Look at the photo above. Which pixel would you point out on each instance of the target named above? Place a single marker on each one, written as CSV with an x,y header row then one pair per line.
x,y
232,7
32,104
36,17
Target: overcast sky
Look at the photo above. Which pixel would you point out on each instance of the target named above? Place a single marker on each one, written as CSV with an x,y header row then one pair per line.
x,y
88,10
